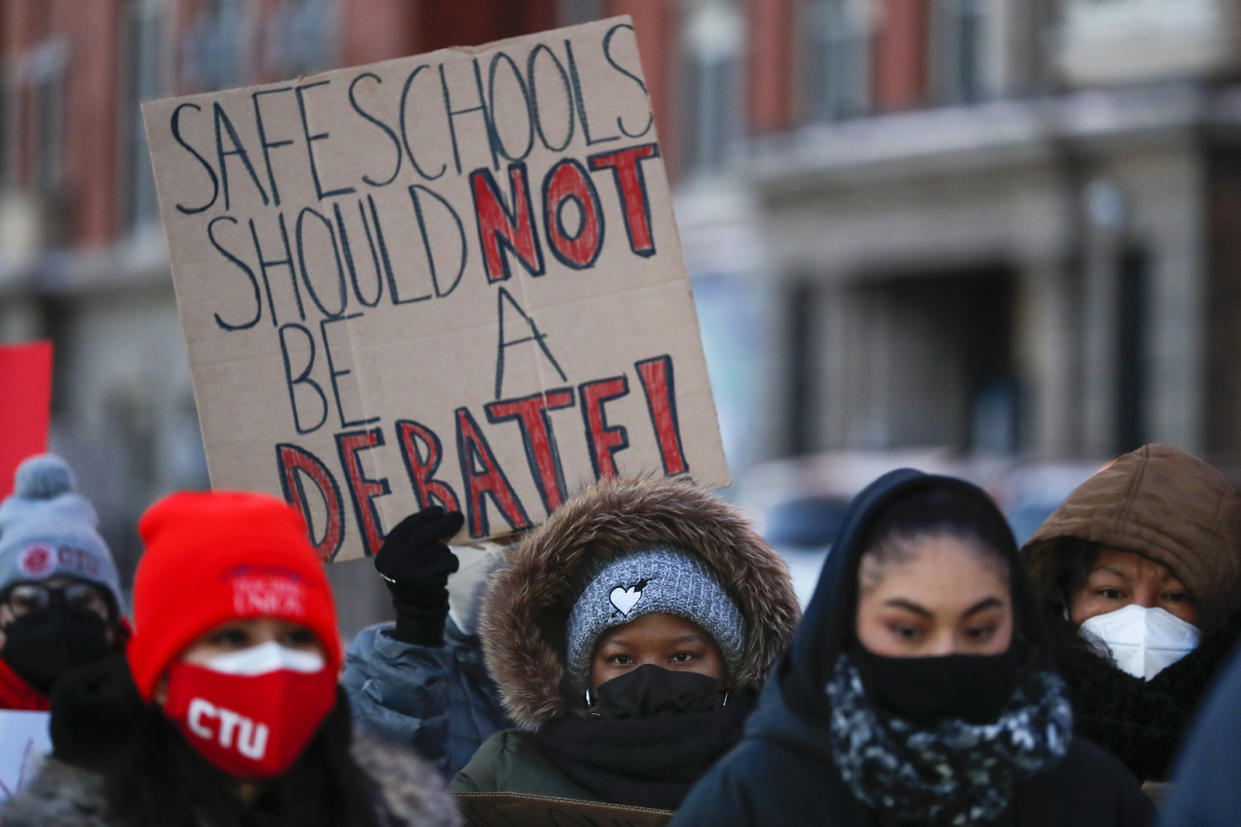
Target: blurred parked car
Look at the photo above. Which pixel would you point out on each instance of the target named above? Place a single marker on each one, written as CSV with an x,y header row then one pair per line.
x,y
798,504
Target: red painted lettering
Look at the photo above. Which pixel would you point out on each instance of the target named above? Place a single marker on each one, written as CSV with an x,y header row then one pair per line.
x,y
363,489
626,166
657,382
295,464
422,465
484,477
566,183
531,414
604,440
500,229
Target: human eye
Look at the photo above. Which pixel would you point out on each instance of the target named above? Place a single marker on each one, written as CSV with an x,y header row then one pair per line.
x,y
299,638
1178,597
981,633
231,636
1109,593
684,657
620,659
905,631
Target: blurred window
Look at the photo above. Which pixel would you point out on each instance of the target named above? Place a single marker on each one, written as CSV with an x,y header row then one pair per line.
x,y
143,68
40,120
580,11
961,42
8,131
299,38
214,48
711,115
838,46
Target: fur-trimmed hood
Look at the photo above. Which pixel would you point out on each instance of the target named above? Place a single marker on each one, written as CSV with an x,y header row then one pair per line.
x,y
68,796
528,600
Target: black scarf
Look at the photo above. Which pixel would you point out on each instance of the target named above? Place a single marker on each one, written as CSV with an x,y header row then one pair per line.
x,y
955,773
1140,722
644,762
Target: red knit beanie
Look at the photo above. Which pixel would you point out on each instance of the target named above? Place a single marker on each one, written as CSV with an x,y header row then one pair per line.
x,y
217,556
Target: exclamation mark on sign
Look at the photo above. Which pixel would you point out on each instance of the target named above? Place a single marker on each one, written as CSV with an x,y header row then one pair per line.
x,y
658,384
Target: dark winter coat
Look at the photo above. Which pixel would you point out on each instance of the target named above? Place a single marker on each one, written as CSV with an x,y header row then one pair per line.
x,y
515,761
408,792
1206,787
439,701
783,772
527,606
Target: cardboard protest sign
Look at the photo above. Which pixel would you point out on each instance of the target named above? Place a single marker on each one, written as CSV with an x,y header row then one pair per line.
x,y
447,279
26,387
520,810
24,743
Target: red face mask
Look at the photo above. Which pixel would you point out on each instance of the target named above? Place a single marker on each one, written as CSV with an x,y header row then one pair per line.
x,y
251,713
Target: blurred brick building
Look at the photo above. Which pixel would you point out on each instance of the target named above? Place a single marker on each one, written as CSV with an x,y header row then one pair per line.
x,y
998,225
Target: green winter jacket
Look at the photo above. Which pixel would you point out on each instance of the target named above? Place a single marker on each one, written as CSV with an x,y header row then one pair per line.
x,y
512,761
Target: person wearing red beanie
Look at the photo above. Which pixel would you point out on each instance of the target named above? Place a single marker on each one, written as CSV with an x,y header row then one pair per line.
x,y
225,709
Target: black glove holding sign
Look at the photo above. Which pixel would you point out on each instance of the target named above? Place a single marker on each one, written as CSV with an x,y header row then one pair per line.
x,y
415,562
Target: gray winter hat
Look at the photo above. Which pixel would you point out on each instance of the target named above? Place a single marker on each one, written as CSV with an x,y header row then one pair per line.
x,y
47,530
651,580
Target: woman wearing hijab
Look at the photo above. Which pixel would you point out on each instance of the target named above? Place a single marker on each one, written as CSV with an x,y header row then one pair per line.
x,y
628,635
225,711
918,688
1137,574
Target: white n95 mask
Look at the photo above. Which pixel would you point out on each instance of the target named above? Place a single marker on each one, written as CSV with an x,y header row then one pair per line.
x,y
1143,641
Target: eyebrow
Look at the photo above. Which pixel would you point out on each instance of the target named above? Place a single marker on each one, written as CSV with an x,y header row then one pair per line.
x,y
1119,573
909,606
985,603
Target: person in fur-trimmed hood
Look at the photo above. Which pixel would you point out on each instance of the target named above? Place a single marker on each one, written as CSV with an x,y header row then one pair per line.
x,y
628,636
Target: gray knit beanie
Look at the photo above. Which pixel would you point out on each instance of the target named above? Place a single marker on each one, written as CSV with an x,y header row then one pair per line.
x,y
651,580
48,530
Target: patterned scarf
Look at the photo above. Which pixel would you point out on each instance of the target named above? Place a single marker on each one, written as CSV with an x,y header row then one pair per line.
x,y
957,773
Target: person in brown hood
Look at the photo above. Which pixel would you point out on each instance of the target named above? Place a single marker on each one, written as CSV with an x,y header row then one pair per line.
x,y
1138,572
628,636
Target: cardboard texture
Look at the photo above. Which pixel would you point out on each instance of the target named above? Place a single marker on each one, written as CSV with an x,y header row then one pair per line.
x,y
26,386
519,810
24,743
446,279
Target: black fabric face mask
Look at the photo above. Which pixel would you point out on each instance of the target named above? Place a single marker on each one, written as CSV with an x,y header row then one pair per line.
x,y
42,646
972,688
651,691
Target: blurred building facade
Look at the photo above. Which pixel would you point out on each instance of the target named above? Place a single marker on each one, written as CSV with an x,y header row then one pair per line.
x,y
998,225
1001,225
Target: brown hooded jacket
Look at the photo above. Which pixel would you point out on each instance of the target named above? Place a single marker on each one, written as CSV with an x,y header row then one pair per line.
x,y
1165,505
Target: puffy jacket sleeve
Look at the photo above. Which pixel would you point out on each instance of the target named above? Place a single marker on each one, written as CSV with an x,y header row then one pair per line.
x,y
438,701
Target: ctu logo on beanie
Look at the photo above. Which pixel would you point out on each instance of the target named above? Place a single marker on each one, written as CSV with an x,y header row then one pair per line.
x,y
267,590
625,598
39,560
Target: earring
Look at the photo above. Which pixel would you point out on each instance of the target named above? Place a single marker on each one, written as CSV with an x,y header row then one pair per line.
x,y
590,701
725,702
